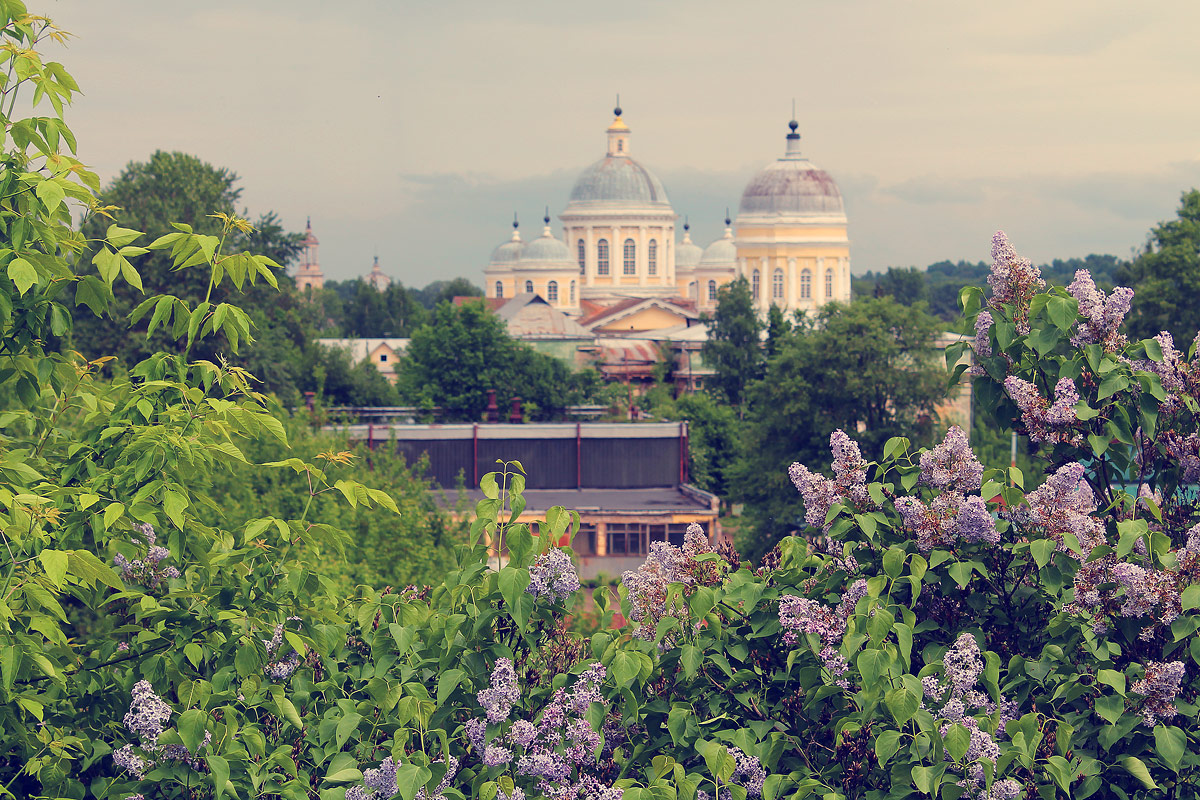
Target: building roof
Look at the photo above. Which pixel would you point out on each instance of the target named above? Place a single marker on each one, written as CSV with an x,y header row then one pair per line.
x,y
507,253
634,305
617,181
547,251
687,252
528,316
722,252
660,500
792,186
359,349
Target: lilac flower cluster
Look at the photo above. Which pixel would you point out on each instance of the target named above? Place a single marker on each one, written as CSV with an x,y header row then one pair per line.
x,y
1045,421
1159,687
748,772
1102,315
948,517
952,465
558,749
1063,505
1173,371
983,342
960,700
664,565
147,718
553,576
1183,449
848,486
800,615
1013,280
279,669
380,783
148,571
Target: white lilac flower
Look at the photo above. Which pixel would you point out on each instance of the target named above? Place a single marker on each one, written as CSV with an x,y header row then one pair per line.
x,y
553,576
952,465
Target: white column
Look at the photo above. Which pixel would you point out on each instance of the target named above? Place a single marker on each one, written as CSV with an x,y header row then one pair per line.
x,y
589,258
791,293
643,256
764,283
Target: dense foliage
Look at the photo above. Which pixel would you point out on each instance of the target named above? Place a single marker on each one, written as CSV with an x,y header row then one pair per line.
x,y
938,631
1166,275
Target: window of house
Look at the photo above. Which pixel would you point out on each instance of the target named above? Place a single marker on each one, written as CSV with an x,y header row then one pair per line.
x,y
572,292
630,257
777,284
652,258
620,145
581,254
529,286
602,257
552,291
584,543
806,284
712,291
828,284
626,538
383,358
499,289
754,285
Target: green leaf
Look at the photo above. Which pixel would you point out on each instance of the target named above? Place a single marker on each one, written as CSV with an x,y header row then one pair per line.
x,y
958,740
191,728
1113,382
886,745
119,237
872,664
1137,768
346,726
1062,311
447,682
961,572
344,775
219,768
893,561
247,661
410,778
51,194
173,504
625,667
691,659
288,711
22,274
112,513
903,703
1042,550
1190,598
1170,743
1110,677
55,564
1110,707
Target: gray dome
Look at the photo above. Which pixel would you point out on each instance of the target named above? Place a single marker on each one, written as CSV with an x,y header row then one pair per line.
x,y
687,253
507,253
791,186
618,180
547,251
721,253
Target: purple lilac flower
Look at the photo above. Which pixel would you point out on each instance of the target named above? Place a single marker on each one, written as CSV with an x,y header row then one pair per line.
x,y
799,615
587,689
553,576
975,524
503,694
148,714
854,592
983,343
1013,280
131,762
150,572
382,779
476,730
952,465
963,664
1045,421
849,468
544,763
748,772
665,564
1062,505
1172,371
819,494
1159,687
495,755
1102,316
521,734
1185,451
517,794
447,778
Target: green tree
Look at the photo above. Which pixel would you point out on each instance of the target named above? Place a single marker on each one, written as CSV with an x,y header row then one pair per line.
x,y
905,286
734,345
177,188
868,367
1165,277
466,350
439,291
778,327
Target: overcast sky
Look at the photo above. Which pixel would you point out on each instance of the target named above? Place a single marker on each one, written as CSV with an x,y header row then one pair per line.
x,y
415,129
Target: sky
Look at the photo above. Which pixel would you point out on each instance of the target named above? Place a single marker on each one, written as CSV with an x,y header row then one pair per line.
x,y
414,130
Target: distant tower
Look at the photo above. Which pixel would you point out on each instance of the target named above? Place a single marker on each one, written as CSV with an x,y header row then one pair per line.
x,y
377,279
309,273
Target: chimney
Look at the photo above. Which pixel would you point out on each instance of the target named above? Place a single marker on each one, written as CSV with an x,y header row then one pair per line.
x,y
515,415
493,411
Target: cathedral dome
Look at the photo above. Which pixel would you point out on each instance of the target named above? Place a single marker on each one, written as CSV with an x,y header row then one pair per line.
x,y
688,253
547,251
722,252
508,253
791,186
616,179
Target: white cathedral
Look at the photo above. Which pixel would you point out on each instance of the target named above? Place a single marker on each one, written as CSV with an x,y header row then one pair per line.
x,y
788,240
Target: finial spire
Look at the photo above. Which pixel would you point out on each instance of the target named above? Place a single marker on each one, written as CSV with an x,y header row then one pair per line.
x,y
515,223
308,224
546,219
617,110
686,226
727,220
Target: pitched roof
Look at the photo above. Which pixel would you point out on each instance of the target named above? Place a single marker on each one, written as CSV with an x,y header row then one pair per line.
x,y
633,305
528,316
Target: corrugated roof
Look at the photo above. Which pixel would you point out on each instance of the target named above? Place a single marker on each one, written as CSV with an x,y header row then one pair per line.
x,y
528,316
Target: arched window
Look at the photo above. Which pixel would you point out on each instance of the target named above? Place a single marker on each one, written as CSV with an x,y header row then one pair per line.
x,y
754,284
777,284
552,291
499,289
805,284
828,284
712,291
581,252
602,257
630,257
652,258
572,292
529,287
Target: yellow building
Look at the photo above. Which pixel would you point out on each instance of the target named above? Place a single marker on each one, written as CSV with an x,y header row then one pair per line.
x,y
789,240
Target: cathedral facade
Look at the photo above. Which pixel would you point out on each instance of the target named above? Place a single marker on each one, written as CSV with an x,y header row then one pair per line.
x,y
618,240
